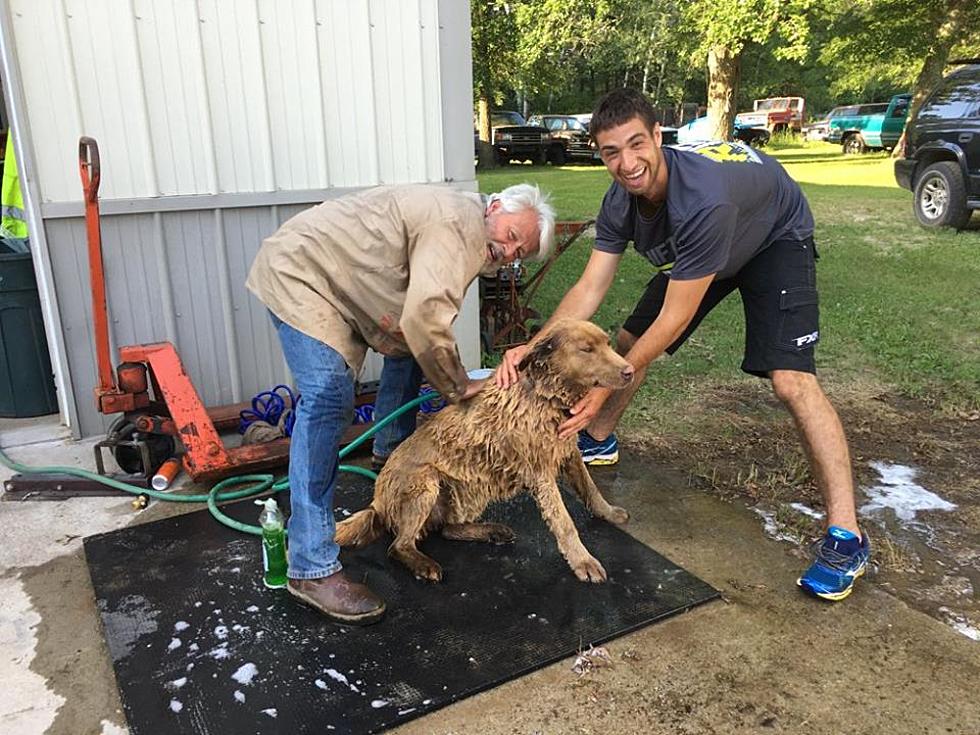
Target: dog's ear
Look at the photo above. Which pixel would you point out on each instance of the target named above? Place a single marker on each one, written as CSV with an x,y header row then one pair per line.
x,y
539,352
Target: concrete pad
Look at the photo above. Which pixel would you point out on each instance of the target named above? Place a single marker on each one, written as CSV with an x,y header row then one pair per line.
x,y
767,659
18,432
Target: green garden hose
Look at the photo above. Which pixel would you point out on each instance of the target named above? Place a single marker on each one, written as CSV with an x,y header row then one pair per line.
x,y
219,493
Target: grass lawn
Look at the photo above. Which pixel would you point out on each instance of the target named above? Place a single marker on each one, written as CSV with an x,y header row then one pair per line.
x,y
900,306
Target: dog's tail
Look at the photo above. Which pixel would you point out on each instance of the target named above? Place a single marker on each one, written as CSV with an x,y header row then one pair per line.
x,y
360,529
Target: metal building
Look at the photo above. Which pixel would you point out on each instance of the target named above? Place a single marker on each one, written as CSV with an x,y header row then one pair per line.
x,y
217,120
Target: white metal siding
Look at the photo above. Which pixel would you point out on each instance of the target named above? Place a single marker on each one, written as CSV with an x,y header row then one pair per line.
x,y
253,110
226,96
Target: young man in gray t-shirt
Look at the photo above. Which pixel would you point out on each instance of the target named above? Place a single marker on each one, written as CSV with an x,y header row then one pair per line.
x,y
713,218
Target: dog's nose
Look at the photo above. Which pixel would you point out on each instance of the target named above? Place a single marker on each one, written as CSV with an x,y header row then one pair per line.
x,y
627,373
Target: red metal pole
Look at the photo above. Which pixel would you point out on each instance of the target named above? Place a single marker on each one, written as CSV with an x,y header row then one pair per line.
x,y
88,166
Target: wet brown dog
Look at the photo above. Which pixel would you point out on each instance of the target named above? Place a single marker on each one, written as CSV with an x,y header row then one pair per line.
x,y
494,446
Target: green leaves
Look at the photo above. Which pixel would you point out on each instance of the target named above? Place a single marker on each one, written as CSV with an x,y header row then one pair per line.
x,y
735,23
561,56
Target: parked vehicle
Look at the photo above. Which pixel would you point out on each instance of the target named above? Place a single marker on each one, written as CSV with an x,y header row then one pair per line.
x,y
700,131
774,115
515,140
668,135
569,138
819,129
941,163
860,128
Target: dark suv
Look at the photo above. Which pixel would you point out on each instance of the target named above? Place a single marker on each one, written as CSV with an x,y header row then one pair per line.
x,y
516,140
942,151
569,138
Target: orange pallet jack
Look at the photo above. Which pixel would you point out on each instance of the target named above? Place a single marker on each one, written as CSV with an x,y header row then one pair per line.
x,y
146,433
153,421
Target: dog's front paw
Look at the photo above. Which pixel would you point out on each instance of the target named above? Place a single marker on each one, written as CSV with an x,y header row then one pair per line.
x,y
589,570
617,515
428,570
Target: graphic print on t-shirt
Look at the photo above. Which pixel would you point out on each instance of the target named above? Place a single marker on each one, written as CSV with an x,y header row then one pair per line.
x,y
722,151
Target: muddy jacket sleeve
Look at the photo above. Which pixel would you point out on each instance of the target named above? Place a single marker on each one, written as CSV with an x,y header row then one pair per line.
x,y
441,267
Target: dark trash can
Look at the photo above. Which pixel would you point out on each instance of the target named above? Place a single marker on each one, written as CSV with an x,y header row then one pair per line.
x,y
26,380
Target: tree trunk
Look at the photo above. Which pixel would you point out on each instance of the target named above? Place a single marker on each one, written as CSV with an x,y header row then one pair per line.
x,y
646,63
952,22
485,157
484,88
660,80
723,67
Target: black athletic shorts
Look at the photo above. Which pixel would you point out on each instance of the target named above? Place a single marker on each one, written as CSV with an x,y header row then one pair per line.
x,y
779,295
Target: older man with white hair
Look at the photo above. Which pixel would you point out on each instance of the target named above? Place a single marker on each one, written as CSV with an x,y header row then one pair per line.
x,y
385,268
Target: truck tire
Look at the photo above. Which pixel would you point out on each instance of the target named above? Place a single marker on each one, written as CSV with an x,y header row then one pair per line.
x,y
557,155
853,144
940,197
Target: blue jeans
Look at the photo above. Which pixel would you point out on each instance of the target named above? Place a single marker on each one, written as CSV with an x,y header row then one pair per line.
x,y
325,410
400,381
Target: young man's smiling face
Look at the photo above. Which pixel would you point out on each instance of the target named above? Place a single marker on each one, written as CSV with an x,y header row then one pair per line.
x,y
632,155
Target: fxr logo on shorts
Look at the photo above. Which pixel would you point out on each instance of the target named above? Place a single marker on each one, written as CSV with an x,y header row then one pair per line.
x,y
807,339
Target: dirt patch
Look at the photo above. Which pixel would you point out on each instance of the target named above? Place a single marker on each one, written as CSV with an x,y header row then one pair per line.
x,y
766,659
738,442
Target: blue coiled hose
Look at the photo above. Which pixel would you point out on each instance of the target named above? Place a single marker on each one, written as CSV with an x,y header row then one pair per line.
x,y
269,406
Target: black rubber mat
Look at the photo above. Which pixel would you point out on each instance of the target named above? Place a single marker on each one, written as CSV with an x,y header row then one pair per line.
x,y
200,646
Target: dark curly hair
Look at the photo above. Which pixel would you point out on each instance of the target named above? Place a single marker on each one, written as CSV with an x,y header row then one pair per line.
x,y
620,106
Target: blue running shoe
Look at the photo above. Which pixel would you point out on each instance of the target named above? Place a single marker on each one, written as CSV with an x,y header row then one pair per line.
x,y
839,559
605,452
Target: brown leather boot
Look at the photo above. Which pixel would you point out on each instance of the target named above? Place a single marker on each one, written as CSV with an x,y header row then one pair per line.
x,y
340,599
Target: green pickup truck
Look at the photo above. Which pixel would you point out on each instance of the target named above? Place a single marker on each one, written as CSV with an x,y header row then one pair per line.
x,y
859,128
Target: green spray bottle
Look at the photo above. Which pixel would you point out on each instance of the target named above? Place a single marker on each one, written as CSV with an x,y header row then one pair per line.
x,y
273,544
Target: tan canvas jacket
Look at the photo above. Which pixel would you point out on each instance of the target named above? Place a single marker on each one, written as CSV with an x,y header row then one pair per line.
x,y
386,268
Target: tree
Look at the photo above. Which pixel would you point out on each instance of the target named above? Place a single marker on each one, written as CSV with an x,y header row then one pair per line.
x,y
655,46
493,34
876,47
952,23
879,47
553,35
570,53
725,27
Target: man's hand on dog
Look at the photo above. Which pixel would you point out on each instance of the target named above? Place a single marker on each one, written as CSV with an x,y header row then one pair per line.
x,y
506,374
584,411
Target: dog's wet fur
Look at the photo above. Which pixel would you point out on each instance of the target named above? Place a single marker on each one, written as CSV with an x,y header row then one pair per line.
x,y
492,447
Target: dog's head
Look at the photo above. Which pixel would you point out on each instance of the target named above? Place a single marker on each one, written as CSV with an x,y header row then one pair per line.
x,y
577,355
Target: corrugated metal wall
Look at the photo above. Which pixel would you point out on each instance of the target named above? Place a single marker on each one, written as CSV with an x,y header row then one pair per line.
x,y
229,96
252,111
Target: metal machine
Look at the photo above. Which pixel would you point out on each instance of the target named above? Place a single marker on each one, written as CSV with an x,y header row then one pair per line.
x,y
506,316
151,388
162,414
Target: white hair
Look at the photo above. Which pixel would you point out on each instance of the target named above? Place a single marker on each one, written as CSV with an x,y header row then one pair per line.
x,y
519,197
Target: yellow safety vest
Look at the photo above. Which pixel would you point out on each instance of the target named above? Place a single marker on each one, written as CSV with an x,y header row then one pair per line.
x,y
13,220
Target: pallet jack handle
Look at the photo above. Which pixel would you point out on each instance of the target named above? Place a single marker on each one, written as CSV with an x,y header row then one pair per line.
x,y
88,166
